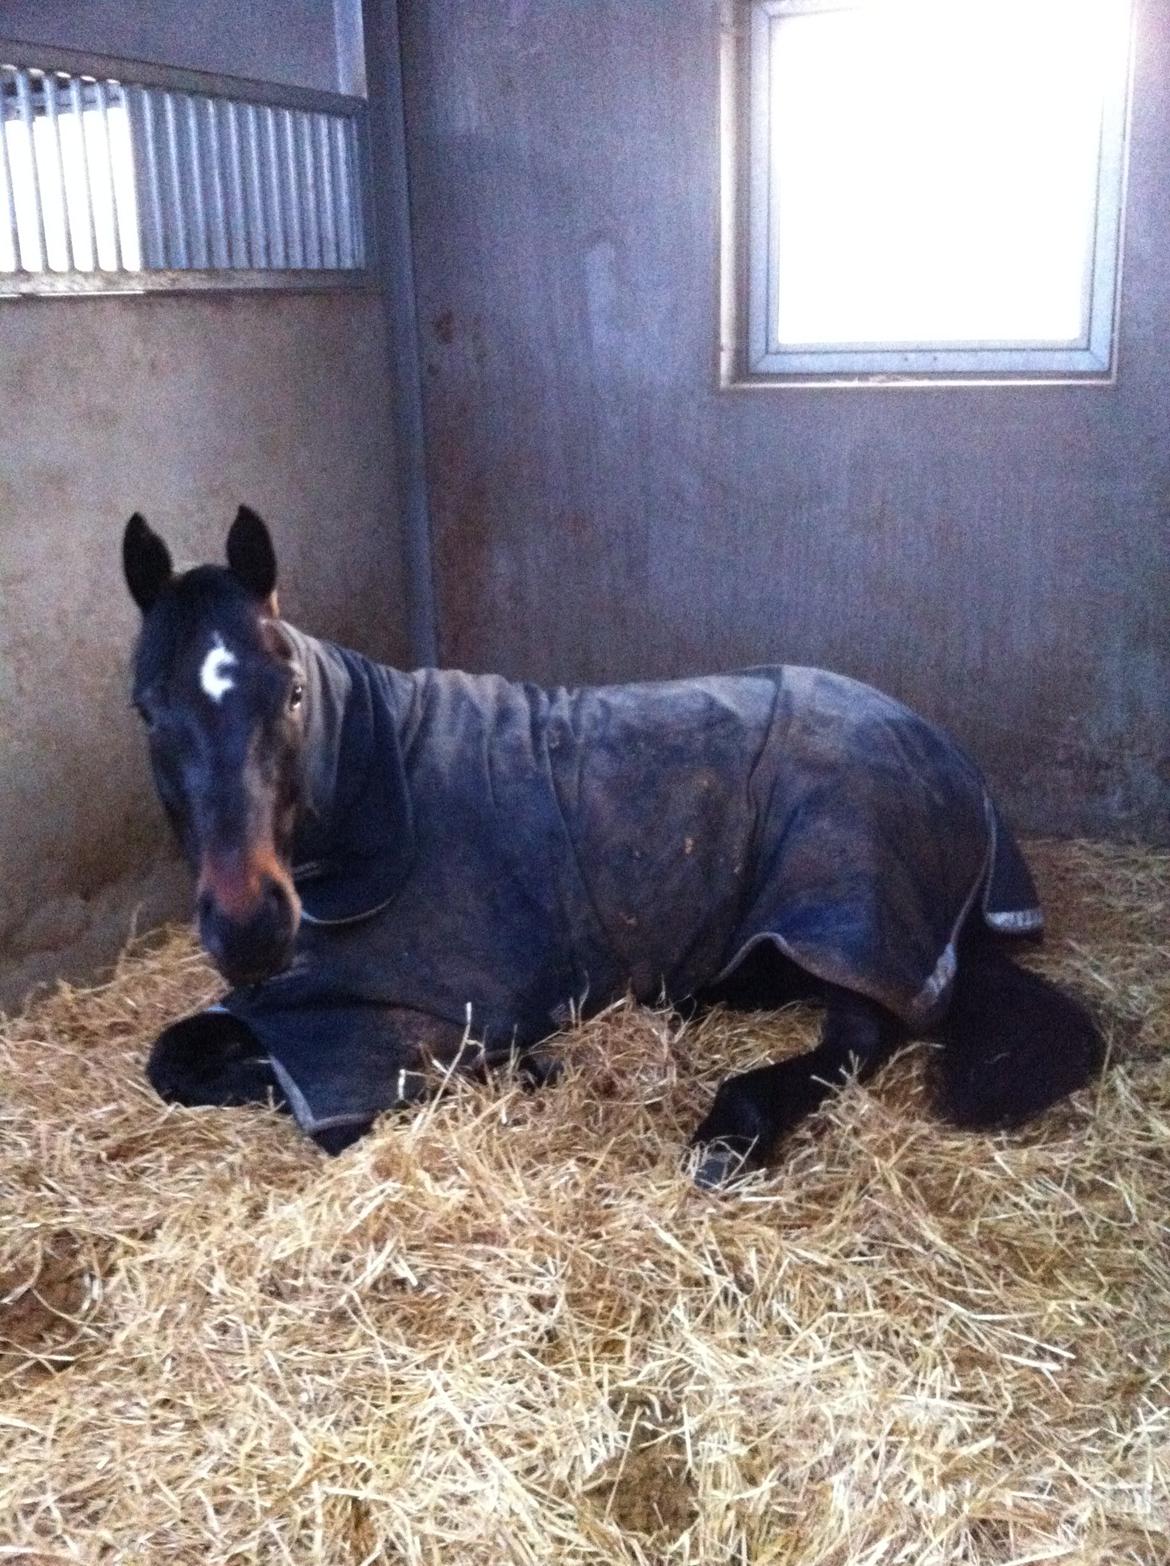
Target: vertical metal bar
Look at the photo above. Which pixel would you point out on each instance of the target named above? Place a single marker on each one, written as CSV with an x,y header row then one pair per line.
x,y
344,193
77,105
179,255
363,162
156,255
199,248
6,173
296,232
326,206
277,250
237,216
49,85
354,161
392,243
256,195
217,212
247,190
310,189
24,103
104,110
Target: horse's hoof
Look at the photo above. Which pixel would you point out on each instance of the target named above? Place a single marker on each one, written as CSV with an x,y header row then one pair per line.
x,y
723,1163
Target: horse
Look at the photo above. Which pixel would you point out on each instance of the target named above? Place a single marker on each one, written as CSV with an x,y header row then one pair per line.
x,y
395,869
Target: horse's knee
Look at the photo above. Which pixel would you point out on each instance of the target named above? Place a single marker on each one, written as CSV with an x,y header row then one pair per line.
x,y
857,1035
211,1058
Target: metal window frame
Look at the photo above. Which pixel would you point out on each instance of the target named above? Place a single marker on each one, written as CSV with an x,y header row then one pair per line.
x,y
274,102
750,355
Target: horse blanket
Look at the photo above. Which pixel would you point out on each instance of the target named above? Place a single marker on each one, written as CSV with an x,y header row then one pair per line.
x,y
497,857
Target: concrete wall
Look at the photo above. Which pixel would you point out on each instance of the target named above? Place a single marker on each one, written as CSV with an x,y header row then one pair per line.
x,y
180,408
997,556
301,43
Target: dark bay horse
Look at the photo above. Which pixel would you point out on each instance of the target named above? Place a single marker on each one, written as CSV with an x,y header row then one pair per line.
x,y
399,869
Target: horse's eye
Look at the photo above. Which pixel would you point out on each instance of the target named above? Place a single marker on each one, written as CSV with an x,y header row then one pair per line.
x,y
296,696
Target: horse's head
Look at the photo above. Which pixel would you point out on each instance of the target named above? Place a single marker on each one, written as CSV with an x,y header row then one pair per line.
x,y
217,685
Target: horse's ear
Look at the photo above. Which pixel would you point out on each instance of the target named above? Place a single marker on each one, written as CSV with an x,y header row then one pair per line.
x,y
252,557
146,561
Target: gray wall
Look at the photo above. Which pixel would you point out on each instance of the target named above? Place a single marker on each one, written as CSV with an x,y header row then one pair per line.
x,y
998,557
303,43
180,407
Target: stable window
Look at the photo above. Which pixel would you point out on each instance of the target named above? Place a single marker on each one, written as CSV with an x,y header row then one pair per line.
x,y
924,188
125,178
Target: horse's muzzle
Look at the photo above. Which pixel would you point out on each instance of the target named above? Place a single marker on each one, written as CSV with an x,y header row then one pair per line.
x,y
253,944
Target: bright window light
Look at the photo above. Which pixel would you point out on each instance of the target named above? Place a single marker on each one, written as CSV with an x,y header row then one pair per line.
x,y
935,184
91,188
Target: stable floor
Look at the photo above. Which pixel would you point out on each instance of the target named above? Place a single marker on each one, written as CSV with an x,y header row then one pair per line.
x,y
509,1329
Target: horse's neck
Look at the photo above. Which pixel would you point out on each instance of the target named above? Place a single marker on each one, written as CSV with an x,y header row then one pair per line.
x,y
355,680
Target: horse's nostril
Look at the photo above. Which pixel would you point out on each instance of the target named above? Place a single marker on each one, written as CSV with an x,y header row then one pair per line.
x,y
275,898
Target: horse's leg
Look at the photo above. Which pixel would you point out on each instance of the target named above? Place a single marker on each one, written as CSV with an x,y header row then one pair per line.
x,y
753,1110
1012,1042
212,1058
445,1046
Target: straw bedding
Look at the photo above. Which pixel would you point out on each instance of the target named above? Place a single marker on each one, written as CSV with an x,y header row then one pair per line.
x,y
508,1329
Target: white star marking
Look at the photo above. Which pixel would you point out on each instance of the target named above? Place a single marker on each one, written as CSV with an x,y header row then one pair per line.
x,y
212,677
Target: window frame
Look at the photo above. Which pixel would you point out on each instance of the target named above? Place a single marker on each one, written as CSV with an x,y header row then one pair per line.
x,y
749,353
133,74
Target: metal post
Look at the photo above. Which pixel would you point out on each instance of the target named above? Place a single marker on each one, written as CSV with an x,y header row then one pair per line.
x,y
390,178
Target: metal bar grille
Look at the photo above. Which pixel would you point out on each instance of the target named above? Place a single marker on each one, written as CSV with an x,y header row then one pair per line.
x,y
220,257
101,174
50,87
175,235
257,223
9,242
24,110
237,222
109,164
150,180
275,198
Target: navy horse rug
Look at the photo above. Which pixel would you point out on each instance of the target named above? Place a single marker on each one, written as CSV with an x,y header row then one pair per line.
x,y
494,854
473,860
